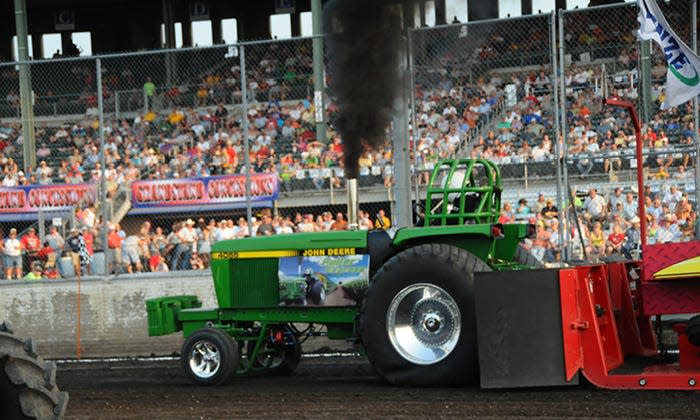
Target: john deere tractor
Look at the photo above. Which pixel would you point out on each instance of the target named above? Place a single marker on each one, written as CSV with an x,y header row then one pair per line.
x,y
406,295
452,300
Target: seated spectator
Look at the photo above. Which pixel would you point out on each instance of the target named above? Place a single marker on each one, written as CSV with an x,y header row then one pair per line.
x,y
598,240
157,263
615,241
36,273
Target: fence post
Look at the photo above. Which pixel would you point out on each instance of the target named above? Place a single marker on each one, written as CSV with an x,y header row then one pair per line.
x,y
645,79
413,131
116,105
557,128
246,143
317,51
25,88
401,173
564,147
103,181
145,102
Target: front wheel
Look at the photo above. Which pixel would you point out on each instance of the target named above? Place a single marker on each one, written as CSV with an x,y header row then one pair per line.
x,y
417,320
210,357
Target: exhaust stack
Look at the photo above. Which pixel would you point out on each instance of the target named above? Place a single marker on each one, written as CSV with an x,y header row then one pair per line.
x,y
353,205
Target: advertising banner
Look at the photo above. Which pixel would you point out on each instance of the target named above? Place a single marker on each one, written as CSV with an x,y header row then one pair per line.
x,y
31,199
202,190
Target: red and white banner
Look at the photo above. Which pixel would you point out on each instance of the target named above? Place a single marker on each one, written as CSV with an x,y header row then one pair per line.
x,y
46,197
204,190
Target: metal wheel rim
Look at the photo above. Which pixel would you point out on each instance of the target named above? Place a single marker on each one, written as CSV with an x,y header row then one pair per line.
x,y
423,323
205,359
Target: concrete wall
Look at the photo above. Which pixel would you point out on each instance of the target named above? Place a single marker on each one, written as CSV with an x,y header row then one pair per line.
x,y
113,312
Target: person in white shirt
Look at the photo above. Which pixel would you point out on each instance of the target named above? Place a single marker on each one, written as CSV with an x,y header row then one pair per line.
x,y
12,255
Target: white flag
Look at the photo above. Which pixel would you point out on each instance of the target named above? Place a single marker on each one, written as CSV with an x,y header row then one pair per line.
x,y
683,75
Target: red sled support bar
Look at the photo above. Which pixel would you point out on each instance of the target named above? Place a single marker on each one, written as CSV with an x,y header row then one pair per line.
x,y
608,338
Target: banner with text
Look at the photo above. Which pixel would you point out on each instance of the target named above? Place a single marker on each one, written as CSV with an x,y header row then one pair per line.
x,y
31,199
203,190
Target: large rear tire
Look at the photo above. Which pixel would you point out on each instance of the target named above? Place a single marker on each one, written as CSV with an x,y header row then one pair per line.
x,y
210,357
27,383
417,320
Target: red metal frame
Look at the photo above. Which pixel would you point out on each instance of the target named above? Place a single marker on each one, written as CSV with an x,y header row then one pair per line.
x,y
603,327
629,106
606,311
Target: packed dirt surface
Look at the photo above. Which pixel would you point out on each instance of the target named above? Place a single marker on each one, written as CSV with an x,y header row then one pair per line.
x,y
335,387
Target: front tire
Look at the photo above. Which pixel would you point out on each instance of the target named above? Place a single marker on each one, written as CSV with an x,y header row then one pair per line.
x,y
210,357
417,320
27,383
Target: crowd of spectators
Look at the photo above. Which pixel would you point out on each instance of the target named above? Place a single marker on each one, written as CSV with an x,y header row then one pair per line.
x,y
605,226
185,245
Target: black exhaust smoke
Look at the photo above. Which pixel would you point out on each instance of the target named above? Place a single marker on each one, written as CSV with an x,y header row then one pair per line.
x,y
364,48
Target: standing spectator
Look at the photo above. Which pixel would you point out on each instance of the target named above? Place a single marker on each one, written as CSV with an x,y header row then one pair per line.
x,y
76,246
149,90
31,244
89,239
130,254
12,255
114,250
158,242
187,239
55,239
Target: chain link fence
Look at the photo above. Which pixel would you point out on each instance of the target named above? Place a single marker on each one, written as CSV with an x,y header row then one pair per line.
x,y
227,137
222,139
487,90
602,57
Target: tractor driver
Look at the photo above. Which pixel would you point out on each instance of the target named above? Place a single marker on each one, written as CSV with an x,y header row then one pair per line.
x,y
310,279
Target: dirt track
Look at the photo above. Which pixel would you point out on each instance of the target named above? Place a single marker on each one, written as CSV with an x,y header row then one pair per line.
x,y
338,387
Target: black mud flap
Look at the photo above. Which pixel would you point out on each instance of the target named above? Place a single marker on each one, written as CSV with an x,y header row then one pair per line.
x,y
519,329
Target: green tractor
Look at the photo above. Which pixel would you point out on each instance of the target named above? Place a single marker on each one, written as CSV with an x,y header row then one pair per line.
x,y
406,295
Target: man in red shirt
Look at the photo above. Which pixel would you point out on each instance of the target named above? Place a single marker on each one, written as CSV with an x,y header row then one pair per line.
x,y
31,244
114,250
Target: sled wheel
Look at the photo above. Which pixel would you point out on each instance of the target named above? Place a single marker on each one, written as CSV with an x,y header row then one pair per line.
x,y
417,320
210,357
27,383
